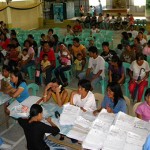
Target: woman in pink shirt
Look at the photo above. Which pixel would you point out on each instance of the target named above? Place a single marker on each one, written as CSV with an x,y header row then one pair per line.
x,y
143,110
146,50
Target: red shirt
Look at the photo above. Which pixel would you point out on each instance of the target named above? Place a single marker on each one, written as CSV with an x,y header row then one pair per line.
x,y
14,55
77,28
51,56
4,44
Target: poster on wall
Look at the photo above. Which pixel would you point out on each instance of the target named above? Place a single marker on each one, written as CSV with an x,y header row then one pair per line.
x,y
58,12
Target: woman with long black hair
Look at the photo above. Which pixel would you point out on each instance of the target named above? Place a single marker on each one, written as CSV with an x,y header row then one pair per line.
x,y
113,101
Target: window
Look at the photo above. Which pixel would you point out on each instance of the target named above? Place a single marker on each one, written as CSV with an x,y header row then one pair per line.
x,y
96,2
139,3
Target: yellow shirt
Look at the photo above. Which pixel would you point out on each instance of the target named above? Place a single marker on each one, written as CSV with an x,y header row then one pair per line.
x,y
55,99
80,49
78,64
45,63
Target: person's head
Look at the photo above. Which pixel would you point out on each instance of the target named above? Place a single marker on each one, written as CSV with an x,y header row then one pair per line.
x,y
119,14
43,36
125,35
91,42
136,41
46,46
30,37
79,56
100,14
84,86
55,38
50,32
15,42
12,47
119,46
13,34
6,30
115,61
93,26
16,77
55,84
131,27
3,37
36,111
76,42
6,71
130,35
128,47
140,59
45,57
113,17
68,27
107,15
114,92
147,96
142,30
105,46
25,51
77,22
27,44
140,35
93,52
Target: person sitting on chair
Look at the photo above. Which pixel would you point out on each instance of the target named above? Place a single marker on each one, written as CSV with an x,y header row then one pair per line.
x,y
139,72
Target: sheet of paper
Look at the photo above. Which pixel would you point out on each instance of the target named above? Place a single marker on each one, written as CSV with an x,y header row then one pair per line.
x,y
4,98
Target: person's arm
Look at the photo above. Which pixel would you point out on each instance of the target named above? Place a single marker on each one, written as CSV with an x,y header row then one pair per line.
x,y
61,100
30,57
96,75
131,75
146,76
71,97
17,92
84,52
44,69
121,80
88,72
139,116
47,94
110,76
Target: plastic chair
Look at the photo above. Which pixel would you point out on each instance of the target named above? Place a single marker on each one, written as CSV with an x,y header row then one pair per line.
x,y
68,75
126,67
31,72
99,97
127,103
34,87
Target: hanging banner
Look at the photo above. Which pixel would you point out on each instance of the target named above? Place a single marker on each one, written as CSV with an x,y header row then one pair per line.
x,y
58,12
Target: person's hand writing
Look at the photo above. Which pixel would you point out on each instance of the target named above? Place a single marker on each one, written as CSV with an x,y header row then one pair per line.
x,y
95,112
109,110
57,90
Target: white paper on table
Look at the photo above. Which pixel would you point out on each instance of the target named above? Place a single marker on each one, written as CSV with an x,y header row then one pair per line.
x,y
124,121
69,114
132,147
30,101
1,76
13,105
101,125
135,139
94,139
116,139
106,117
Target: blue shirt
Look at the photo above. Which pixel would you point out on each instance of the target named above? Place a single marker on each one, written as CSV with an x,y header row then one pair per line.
x,y
146,146
120,106
24,94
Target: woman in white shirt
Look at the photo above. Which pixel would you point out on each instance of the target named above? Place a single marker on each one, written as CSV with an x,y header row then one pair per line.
x,y
139,71
83,97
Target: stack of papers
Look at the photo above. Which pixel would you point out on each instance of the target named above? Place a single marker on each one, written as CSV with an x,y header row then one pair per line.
x,y
69,114
16,108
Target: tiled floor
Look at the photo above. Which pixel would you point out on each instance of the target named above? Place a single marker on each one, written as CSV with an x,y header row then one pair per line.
x,y
14,135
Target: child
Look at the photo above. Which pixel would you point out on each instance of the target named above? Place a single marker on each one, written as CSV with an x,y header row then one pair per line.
x,y
45,64
43,39
24,57
143,110
94,29
119,49
79,64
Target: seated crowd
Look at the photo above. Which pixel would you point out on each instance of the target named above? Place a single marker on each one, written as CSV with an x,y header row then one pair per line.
x,y
91,66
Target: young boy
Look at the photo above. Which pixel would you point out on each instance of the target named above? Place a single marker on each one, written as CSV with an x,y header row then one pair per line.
x,y
79,64
45,64
24,57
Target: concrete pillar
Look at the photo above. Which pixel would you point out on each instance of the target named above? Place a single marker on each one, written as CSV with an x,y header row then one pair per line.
x,y
8,17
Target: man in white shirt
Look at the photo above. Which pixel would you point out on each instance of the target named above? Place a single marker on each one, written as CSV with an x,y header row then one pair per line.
x,y
133,32
96,66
